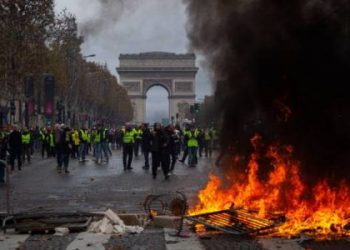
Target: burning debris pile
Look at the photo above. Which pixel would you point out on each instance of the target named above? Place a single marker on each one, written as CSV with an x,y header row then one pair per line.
x,y
321,209
281,68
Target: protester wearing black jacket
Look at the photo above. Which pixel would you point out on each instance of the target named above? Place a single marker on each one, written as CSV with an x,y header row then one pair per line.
x,y
146,144
64,146
15,145
160,151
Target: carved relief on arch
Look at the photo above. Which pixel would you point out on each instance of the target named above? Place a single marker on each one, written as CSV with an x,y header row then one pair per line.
x,y
132,86
183,86
166,83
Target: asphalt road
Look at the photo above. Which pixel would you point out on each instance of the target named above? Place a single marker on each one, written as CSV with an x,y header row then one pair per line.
x,y
92,187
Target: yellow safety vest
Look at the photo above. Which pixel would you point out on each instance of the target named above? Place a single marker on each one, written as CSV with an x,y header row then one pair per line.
x,y
75,137
192,141
207,135
26,138
98,137
51,140
129,137
83,135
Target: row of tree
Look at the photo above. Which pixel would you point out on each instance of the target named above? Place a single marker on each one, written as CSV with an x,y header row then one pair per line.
x,y
35,41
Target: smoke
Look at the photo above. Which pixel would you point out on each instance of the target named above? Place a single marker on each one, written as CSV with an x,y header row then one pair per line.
x,y
107,15
282,70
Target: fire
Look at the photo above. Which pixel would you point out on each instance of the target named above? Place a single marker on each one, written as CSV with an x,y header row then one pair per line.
x,y
322,210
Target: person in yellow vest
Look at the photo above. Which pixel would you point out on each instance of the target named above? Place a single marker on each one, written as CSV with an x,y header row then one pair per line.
x,y
26,138
89,142
83,144
184,139
50,139
76,144
138,138
208,141
192,145
44,145
98,144
128,146
214,138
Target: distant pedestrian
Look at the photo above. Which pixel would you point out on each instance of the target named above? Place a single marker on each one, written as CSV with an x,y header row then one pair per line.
x,y
128,147
160,151
26,145
64,147
15,146
146,144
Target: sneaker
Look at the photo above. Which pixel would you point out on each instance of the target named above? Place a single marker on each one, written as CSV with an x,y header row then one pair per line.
x,y
67,172
130,168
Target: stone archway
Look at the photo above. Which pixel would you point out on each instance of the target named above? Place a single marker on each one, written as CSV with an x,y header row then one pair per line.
x,y
175,72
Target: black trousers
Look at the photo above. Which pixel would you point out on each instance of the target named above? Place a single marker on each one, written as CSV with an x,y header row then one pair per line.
x,y
185,154
173,156
44,147
127,155
136,148
26,152
146,155
62,159
15,154
160,159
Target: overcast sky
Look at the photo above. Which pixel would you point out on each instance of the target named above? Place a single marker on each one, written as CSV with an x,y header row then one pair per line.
x,y
133,26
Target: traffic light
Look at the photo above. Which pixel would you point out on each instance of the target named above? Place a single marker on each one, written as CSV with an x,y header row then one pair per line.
x,y
196,107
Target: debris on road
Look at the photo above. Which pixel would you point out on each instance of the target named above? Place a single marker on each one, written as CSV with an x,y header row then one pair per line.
x,y
111,223
61,231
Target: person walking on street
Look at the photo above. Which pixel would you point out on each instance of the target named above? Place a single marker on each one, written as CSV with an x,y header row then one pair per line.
x,y
64,147
192,145
83,144
44,144
138,139
184,137
208,139
26,145
146,144
50,138
128,147
160,151
173,141
15,146
76,144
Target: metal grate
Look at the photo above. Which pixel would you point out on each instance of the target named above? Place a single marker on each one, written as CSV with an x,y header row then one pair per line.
x,y
234,221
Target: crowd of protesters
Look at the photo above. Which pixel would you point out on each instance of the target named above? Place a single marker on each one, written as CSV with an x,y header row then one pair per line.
x,y
161,146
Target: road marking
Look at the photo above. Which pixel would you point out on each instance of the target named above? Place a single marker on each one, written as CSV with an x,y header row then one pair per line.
x,y
12,241
178,243
87,240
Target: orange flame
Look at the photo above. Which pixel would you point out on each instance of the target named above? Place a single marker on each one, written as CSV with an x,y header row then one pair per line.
x,y
322,209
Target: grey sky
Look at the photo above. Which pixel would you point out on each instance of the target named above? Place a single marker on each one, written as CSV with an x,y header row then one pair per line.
x,y
133,26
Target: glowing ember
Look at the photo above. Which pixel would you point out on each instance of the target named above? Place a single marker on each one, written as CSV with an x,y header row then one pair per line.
x,y
321,210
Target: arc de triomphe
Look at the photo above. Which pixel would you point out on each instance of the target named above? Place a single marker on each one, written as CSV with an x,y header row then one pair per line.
x,y
175,72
